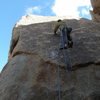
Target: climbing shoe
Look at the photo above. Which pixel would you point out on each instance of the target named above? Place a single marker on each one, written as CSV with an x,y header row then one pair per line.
x,y
61,48
65,46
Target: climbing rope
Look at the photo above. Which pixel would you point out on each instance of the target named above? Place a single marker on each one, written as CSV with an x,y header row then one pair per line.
x,y
59,84
65,54
66,57
67,66
48,80
67,62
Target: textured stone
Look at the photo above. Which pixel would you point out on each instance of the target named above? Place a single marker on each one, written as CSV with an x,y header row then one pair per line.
x,y
32,70
96,10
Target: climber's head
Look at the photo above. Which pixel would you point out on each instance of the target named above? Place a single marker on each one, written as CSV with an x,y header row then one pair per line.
x,y
59,20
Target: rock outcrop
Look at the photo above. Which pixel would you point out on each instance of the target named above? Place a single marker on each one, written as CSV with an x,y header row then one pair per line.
x,y
32,70
96,10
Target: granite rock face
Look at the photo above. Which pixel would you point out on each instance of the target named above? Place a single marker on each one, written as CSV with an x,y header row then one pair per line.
x,y
96,10
34,62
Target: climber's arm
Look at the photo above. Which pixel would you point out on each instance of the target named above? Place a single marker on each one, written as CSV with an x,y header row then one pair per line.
x,y
55,29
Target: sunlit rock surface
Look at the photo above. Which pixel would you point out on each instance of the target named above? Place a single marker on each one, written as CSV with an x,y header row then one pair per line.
x,y
32,69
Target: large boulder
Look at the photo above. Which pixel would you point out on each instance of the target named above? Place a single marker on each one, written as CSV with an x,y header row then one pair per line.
x,y
36,69
96,10
95,3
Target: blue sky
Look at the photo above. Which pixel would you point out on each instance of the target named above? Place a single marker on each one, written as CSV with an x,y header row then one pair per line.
x,y
12,10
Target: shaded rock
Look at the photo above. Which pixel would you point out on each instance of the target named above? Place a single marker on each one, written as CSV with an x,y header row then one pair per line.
x,y
96,10
32,69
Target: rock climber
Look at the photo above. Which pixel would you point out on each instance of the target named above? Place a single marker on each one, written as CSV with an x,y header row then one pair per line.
x,y
66,40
